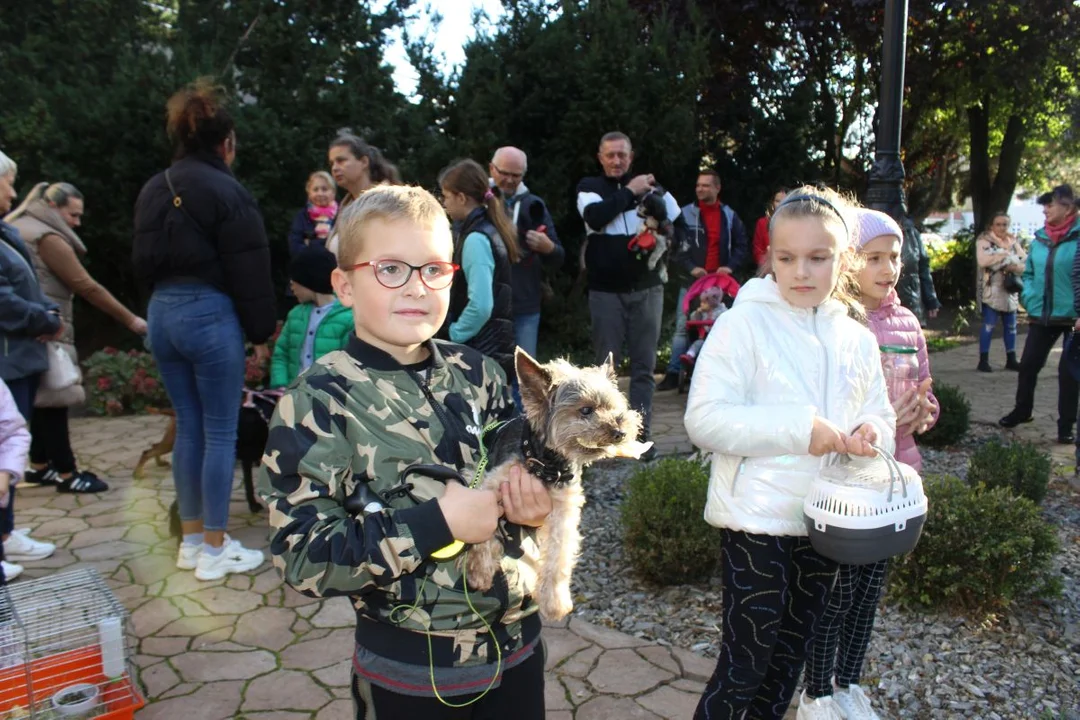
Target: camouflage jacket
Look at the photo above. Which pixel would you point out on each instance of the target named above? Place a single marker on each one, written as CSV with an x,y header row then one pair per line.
x,y
346,429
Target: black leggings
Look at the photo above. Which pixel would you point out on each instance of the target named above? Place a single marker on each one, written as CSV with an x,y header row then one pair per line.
x,y
775,589
50,440
520,696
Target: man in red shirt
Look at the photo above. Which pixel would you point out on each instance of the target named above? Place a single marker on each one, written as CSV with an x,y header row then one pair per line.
x,y
716,242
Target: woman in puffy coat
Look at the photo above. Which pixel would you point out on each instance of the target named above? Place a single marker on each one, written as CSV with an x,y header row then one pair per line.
x,y
201,245
47,220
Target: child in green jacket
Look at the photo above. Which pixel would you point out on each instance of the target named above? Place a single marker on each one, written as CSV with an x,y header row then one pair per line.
x,y
319,324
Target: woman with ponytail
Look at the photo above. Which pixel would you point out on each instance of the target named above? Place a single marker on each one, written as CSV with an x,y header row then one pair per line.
x,y
485,247
201,246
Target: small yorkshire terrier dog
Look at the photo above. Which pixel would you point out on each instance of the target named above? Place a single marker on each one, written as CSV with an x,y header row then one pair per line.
x,y
573,417
656,235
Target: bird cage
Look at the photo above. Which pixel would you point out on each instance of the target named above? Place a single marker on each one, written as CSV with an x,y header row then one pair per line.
x,y
64,650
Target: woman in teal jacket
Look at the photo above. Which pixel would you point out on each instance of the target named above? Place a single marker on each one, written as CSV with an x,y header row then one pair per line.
x,y
1051,286
318,325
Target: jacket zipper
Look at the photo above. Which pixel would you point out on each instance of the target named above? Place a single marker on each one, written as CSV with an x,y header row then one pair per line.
x,y
422,383
1048,282
824,364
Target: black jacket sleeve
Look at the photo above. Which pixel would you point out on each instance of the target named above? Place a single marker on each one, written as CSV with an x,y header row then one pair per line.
x,y
599,213
554,259
245,259
739,244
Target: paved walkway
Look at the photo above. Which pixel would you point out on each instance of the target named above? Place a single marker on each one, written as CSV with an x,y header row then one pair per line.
x,y
248,647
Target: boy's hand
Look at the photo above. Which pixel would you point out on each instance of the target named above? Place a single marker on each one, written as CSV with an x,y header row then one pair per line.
x,y
471,515
826,438
524,499
860,441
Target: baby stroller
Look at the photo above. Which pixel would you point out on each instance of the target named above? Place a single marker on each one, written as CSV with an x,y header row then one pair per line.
x,y
716,293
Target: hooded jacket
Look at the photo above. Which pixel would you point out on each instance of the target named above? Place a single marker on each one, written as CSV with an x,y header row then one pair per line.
x,y
1051,294
57,251
528,272
766,371
25,312
894,324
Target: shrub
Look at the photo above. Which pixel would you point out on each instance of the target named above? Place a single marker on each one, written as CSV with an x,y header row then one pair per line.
x,y
665,536
953,422
118,383
980,549
1020,466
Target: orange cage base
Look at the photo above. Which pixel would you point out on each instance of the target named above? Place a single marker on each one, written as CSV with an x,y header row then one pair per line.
x,y
118,700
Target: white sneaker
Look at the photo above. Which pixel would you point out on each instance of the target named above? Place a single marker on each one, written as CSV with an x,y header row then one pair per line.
x,y
20,547
234,558
188,556
823,708
854,704
11,570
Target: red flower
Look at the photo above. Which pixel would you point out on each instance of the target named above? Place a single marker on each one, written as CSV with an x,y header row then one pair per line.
x,y
111,351
104,383
150,384
113,407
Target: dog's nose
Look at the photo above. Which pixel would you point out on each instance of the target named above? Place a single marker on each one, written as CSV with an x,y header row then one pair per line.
x,y
618,434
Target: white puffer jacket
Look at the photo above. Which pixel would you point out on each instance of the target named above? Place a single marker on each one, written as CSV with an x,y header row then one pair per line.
x,y
766,370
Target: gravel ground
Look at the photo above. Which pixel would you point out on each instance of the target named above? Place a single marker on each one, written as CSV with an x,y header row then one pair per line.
x,y
1021,664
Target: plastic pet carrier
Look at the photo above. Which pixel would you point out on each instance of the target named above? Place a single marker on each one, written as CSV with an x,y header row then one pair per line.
x,y
863,510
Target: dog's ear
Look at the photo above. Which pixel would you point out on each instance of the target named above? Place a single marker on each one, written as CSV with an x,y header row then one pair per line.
x,y
609,366
533,380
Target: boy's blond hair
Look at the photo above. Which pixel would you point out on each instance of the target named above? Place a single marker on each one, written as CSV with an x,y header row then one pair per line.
x,y
386,203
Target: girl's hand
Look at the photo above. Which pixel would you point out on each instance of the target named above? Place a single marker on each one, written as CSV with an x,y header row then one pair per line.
x,y
926,408
524,499
907,411
860,441
826,438
5,489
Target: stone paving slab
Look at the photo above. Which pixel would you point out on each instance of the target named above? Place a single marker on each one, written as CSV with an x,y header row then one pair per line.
x,y
249,647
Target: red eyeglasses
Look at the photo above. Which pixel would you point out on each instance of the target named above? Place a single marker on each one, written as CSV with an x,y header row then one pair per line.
x,y
393,274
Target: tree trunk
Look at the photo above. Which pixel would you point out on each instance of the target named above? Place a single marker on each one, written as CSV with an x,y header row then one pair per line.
x,y
1012,150
990,195
979,157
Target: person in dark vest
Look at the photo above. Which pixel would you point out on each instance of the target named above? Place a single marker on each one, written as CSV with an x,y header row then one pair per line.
x,y
485,247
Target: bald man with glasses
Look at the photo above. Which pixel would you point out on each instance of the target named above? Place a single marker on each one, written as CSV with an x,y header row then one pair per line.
x,y
541,250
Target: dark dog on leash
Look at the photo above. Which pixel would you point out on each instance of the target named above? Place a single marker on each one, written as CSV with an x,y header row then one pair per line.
x,y
252,429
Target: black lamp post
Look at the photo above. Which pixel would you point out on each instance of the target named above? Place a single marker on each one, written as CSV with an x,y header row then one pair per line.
x,y
885,190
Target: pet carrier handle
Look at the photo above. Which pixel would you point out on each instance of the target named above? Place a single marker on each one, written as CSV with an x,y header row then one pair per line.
x,y
894,471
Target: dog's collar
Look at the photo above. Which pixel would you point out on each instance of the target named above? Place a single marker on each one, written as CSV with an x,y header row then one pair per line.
x,y
543,462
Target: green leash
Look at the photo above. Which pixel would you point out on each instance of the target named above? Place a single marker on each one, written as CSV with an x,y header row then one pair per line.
x,y
448,553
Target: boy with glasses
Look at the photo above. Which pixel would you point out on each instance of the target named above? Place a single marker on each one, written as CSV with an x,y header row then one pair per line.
x,y
356,477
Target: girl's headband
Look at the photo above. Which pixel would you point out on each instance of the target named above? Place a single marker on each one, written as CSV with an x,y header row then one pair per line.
x,y
791,199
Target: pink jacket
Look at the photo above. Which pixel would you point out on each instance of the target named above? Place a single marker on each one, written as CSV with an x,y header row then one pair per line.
x,y
14,437
893,324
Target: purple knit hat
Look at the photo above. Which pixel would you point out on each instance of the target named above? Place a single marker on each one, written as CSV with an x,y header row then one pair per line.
x,y
873,223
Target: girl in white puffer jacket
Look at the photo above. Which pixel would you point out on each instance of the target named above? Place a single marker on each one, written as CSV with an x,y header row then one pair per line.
x,y
786,378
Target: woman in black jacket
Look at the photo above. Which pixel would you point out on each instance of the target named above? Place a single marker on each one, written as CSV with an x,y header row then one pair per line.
x,y
200,244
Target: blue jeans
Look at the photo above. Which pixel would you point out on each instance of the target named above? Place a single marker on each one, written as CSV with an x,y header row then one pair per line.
x,y
198,345
990,318
526,337
679,341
